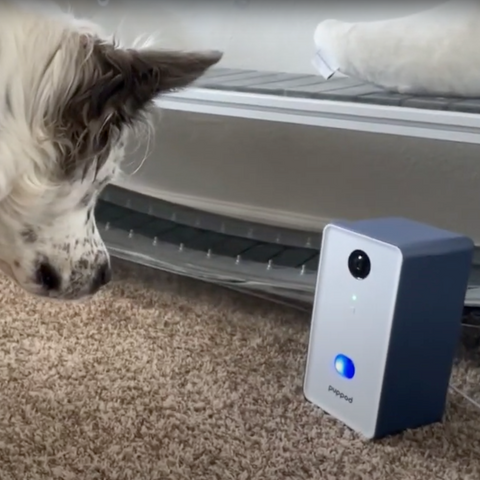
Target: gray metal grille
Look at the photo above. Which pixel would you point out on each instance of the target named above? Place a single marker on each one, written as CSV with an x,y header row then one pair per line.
x,y
254,257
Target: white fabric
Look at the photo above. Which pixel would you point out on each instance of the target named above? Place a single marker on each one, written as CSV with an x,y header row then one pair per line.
x,y
435,52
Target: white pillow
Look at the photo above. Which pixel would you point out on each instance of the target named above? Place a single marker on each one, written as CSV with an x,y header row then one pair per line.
x,y
435,52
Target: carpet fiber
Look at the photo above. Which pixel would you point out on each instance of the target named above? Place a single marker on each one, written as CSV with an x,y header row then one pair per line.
x,y
166,378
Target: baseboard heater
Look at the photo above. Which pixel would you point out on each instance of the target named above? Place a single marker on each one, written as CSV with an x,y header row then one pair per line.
x,y
262,260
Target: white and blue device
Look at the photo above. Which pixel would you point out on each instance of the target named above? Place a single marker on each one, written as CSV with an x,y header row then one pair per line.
x,y
386,322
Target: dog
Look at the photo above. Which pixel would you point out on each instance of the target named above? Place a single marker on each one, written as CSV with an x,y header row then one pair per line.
x,y
69,97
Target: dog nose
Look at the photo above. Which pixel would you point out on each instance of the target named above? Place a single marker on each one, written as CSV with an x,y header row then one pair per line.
x,y
48,277
102,277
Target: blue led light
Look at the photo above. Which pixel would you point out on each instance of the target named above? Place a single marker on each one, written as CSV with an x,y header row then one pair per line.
x,y
344,366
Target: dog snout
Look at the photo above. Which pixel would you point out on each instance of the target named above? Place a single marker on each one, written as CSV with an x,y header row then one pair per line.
x,y
49,278
102,277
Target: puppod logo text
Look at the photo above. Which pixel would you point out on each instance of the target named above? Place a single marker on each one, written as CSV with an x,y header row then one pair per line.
x,y
339,394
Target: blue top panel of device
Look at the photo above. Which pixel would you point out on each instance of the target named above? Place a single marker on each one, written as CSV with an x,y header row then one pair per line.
x,y
408,235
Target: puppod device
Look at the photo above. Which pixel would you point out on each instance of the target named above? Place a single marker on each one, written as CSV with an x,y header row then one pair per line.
x,y
386,322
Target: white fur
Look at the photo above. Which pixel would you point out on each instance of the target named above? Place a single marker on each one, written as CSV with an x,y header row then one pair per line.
x,y
434,52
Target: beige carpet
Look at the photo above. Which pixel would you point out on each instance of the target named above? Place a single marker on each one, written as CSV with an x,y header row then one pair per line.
x,y
165,378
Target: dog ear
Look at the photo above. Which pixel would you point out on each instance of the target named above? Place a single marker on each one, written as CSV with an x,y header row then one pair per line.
x,y
126,81
120,83
112,88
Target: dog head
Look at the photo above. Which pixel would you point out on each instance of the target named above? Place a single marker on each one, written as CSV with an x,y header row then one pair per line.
x,y
68,100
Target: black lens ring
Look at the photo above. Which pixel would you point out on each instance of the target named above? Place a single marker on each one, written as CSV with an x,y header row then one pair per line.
x,y
359,264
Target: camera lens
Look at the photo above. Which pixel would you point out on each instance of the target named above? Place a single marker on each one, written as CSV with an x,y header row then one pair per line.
x,y
359,264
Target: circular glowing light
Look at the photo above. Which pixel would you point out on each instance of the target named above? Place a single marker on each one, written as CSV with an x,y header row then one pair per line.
x,y
344,366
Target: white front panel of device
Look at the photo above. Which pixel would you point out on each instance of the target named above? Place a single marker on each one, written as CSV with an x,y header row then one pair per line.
x,y
351,317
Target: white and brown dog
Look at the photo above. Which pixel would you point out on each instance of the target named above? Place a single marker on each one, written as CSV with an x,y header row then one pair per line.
x,y
68,98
